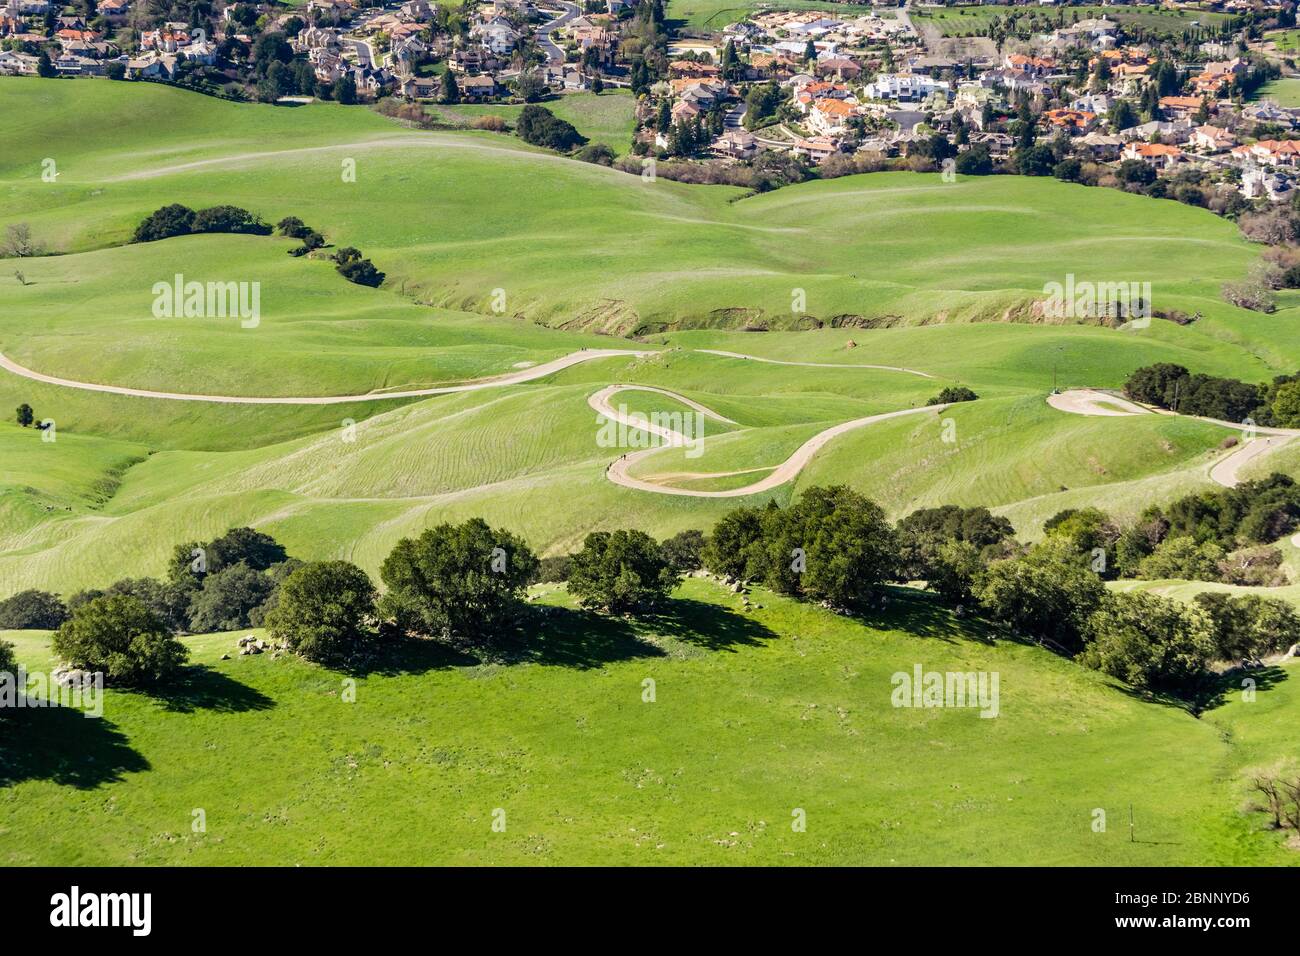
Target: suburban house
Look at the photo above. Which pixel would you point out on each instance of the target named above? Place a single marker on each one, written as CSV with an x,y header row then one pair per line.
x,y
1270,152
736,143
497,35
904,87
1153,154
816,148
1270,184
479,87
1073,122
420,87
830,116
1183,107
1211,139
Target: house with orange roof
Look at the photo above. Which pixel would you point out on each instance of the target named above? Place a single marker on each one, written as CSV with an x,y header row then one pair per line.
x,y
1270,152
1153,154
1209,84
1035,65
830,116
1181,107
1073,122
1211,139
684,112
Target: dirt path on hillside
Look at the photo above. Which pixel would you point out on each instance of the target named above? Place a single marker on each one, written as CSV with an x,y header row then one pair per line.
x,y
618,471
497,381
600,402
1226,471
768,361
413,140
1087,401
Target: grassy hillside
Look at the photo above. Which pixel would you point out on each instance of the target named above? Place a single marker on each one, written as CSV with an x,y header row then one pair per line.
x,y
966,21
941,272
756,714
713,15
444,215
603,118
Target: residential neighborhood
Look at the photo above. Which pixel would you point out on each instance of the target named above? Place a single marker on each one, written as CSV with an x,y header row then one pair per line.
x,y
773,97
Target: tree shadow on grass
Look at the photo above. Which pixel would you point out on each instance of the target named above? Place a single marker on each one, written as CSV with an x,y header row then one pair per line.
x,y
568,637
410,655
710,626
1222,686
199,687
926,615
63,746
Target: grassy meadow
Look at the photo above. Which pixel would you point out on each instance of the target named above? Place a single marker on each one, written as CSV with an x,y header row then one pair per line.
x,y
499,257
603,118
966,21
756,714
1284,92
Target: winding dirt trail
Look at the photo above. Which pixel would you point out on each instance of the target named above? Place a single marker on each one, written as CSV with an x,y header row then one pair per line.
x,y
599,401
768,361
618,471
512,378
1087,401
1226,471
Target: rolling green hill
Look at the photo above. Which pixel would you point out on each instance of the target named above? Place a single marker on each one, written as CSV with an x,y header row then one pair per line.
x,y
756,715
500,258
913,272
452,217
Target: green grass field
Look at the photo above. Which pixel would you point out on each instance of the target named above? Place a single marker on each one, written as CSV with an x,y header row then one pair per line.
x,y
1283,92
1287,41
966,21
500,257
716,14
602,118
756,715
947,272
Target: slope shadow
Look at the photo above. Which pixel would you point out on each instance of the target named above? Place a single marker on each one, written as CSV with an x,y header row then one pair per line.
x,y
924,614
63,746
409,655
1213,693
199,687
710,626
1265,678
565,637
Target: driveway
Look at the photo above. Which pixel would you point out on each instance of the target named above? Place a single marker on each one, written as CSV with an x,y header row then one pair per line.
x,y
569,11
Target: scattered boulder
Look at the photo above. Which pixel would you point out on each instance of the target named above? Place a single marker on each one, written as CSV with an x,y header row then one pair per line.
x,y
73,677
